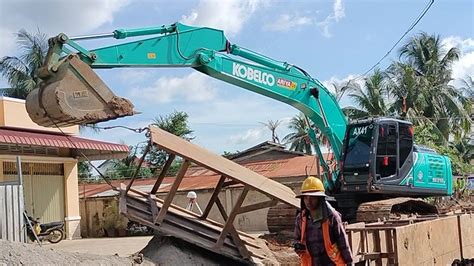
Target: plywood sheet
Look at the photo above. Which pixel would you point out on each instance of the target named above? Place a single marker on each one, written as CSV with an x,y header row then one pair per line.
x,y
203,157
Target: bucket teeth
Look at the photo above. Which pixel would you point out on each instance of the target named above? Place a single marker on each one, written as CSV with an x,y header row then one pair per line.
x,y
74,95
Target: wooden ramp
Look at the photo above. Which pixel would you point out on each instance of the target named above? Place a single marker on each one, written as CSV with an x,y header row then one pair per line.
x,y
167,218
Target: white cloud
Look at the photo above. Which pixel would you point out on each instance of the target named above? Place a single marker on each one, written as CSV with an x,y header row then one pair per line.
x,y
345,101
465,65
229,15
288,22
54,16
253,135
294,21
135,76
195,87
338,13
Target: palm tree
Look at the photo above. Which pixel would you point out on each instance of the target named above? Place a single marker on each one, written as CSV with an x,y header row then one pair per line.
x,y
372,100
340,90
272,125
439,101
299,138
468,87
20,71
405,89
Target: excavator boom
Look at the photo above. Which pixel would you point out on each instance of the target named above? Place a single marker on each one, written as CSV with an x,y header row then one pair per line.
x,y
373,158
71,93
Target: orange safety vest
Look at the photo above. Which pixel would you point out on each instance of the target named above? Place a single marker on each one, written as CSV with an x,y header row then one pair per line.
x,y
331,249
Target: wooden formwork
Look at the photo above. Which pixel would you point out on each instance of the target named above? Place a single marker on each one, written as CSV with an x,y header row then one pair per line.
x,y
170,219
425,240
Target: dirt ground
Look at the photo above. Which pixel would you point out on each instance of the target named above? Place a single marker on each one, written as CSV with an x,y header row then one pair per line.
x,y
32,254
122,246
281,246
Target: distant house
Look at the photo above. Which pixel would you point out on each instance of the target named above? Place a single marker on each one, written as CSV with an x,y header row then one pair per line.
x,y
109,165
265,151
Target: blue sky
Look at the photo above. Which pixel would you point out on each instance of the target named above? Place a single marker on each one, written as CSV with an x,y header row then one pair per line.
x,y
332,40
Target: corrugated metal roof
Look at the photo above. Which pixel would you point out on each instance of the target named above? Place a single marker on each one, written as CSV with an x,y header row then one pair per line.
x,y
16,136
198,178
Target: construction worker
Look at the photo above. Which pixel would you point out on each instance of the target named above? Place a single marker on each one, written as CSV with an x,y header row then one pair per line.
x,y
319,232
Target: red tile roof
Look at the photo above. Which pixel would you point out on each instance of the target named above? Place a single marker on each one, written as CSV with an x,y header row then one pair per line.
x,y
197,177
16,136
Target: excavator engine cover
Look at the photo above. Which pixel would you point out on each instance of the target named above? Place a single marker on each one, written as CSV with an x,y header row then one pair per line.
x,y
72,95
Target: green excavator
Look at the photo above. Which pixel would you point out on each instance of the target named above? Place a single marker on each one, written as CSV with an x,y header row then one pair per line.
x,y
374,159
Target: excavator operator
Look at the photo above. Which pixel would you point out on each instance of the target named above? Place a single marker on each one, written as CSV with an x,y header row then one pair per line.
x,y
319,232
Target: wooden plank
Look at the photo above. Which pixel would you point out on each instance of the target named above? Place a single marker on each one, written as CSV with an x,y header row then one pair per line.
x,y
195,231
214,195
258,206
183,212
239,243
218,164
172,192
3,214
230,220
15,214
154,208
21,232
9,204
137,169
221,209
163,173
123,199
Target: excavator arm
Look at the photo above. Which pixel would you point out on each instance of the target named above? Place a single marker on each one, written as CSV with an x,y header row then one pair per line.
x,y
71,93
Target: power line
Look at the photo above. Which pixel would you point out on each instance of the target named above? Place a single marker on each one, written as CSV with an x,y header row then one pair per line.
x,y
422,14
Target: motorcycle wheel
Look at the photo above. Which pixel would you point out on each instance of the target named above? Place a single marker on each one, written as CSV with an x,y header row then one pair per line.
x,y
55,236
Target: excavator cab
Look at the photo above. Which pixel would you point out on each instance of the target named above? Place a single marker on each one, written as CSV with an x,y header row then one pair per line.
x,y
380,157
71,93
375,151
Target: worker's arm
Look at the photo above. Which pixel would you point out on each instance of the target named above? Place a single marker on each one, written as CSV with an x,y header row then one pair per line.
x,y
298,227
340,236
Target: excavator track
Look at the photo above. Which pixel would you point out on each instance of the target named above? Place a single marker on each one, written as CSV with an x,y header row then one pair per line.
x,y
282,217
385,209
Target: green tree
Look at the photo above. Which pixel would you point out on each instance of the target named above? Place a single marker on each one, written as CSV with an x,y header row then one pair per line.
x,y
20,71
372,99
341,89
84,170
272,126
299,139
175,123
429,65
126,167
425,135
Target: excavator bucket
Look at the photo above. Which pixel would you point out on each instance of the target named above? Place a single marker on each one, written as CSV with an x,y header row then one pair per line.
x,y
72,95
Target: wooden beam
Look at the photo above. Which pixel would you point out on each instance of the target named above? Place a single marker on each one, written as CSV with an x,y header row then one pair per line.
x,y
215,195
230,220
258,206
123,199
221,209
163,172
234,234
172,192
147,149
153,207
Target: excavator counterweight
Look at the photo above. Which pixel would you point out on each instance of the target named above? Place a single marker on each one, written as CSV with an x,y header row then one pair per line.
x,y
74,94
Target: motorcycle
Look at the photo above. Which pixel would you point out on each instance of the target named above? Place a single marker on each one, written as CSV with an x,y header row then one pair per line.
x,y
51,232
